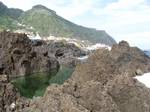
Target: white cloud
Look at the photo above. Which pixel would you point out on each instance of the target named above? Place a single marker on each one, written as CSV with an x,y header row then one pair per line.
x,y
126,20
65,8
141,39
75,8
124,4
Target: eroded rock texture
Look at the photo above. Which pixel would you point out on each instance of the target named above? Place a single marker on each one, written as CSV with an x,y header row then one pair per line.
x,y
66,53
104,83
18,57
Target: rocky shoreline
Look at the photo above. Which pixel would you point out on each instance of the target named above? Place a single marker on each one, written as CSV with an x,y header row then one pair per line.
x,y
21,57
104,83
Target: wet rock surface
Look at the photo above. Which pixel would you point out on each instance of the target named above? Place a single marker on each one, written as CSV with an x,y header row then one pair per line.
x,y
104,83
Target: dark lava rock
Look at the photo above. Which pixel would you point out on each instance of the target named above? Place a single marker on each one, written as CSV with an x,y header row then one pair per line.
x,y
104,83
17,57
38,42
66,53
89,98
129,94
10,99
104,65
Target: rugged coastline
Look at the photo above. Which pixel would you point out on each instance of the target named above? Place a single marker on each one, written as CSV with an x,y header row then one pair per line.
x,y
103,83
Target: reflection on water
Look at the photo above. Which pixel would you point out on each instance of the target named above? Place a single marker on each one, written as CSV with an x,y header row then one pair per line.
x,y
35,84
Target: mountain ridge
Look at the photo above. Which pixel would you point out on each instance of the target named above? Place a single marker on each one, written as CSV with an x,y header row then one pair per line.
x,y
47,23
13,13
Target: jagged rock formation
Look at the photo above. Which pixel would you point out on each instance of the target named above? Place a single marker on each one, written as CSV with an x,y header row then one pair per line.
x,y
18,58
21,56
104,83
66,53
104,65
10,98
129,94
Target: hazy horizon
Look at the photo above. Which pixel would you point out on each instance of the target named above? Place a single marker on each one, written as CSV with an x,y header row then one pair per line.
x,y
122,19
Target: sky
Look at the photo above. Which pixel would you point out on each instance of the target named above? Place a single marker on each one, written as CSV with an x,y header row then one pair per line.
x,y
122,19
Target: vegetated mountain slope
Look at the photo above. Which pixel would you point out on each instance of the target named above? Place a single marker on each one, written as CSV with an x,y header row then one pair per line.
x,y
8,17
47,23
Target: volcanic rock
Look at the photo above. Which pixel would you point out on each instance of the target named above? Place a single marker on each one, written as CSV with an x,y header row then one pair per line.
x,y
66,53
104,65
17,57
104,83
129,94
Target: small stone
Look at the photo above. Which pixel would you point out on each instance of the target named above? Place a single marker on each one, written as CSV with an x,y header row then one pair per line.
x,y
139,72
3,78
13,105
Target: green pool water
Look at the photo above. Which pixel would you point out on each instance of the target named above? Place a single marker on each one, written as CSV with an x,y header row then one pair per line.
x,y
36,84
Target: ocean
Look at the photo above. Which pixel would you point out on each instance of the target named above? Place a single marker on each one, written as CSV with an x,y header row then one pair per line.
x,y
147,52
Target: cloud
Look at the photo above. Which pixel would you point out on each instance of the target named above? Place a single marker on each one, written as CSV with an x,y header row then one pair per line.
x,y
75,8
124,4
65,8
127,20
140,39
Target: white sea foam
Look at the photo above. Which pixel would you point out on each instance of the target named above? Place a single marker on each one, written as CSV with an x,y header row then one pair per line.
x,y
37,37
145,79
97,46
83,57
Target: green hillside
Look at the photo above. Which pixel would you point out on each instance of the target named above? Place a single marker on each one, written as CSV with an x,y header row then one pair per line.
x,y
8,17
46,22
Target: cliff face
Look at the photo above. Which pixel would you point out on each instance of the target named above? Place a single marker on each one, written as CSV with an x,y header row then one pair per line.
x,y
22,57
18,58
104,83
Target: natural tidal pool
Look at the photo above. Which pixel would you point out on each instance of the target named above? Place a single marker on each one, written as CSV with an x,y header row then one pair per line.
x,y
36,84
